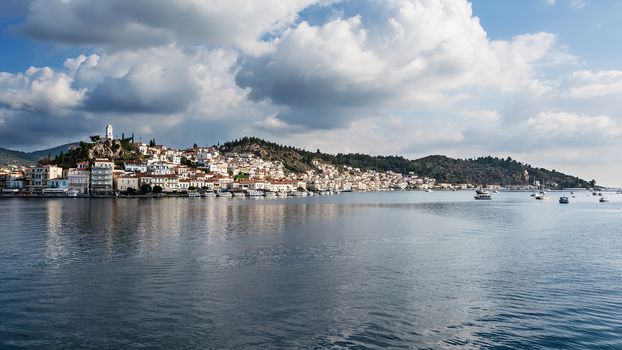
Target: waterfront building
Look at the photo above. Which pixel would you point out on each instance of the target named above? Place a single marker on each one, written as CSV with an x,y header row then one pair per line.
x,y
79,179
101,176
57,187
38,177
126,181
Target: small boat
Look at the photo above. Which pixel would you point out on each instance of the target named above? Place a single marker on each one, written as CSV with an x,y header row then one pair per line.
x,y
534,194
239,194
482,194
541,196
603,200
209,194
429,190
270,194
225,194
564,200
255,194
600,194
194,194
281,194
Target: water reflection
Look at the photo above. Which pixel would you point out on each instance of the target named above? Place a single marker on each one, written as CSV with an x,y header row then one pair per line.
x,y
360,270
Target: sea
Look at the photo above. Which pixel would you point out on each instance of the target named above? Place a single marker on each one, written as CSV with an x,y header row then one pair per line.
x,y
384,270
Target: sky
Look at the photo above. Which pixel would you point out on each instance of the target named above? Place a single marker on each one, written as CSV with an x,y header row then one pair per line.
x,y
536,80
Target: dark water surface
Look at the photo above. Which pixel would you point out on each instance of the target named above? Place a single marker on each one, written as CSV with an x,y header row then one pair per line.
x,y
369,270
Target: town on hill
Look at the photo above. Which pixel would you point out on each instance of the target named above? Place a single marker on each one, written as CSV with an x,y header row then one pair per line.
x,y
109,166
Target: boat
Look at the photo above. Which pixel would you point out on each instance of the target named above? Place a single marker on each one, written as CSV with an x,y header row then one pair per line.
x,y
564,200
482,194
255,194
603,200
225,194
209,194
429,190
541,196
194,194
270,194
281,194
239,194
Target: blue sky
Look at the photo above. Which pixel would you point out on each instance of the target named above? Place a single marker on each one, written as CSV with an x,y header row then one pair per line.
x,y
536,80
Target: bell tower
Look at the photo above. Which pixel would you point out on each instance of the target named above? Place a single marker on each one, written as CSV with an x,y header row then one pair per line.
x,y
109,135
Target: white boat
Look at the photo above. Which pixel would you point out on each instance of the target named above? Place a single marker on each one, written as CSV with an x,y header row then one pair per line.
x,y
209,194
255,193
281,194
603,200
194,194
225,194
270,194
542,196
297,193
429,190
239,194
482,194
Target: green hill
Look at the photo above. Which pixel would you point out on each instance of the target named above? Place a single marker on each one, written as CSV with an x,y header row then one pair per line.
x,y
8,157
483,170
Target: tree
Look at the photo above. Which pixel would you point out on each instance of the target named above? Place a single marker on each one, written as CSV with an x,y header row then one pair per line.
x,y
145,188
157,189
593,183
191,188
95,138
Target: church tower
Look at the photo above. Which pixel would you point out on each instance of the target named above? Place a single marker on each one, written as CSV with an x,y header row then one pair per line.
x,y
109,135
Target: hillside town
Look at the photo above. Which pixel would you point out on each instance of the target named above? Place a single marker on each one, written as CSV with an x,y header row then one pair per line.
x,y
198,171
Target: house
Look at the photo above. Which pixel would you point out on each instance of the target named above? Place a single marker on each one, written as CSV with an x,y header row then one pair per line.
x,y
101,176
134,166
124,182
57,186
38,177
79,179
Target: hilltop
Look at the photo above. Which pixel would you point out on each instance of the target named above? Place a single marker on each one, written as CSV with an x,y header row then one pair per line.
x,y
483,170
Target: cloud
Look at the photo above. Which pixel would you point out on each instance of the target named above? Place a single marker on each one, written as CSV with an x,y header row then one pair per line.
x,y
39,90
570,124
588,84
413,53
147,23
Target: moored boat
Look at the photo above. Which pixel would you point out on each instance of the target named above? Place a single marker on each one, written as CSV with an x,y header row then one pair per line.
x,y
603,200
564,200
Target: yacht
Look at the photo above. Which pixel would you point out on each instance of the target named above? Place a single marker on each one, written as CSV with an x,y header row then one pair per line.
x,y
564,200
482,194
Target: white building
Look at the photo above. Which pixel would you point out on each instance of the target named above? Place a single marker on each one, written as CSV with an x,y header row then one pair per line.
x,y
101,176
109,135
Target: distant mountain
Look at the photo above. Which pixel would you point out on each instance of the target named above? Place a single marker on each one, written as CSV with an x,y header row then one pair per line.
x,y
8,156
483,170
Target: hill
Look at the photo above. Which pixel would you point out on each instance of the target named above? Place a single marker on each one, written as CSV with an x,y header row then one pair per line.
x,y
8,156
483,170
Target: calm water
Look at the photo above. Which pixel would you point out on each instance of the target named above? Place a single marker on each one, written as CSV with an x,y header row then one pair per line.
x,y
368,270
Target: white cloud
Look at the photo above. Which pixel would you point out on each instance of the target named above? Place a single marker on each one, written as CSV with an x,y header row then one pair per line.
x,y
588,84
39,89
569,124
